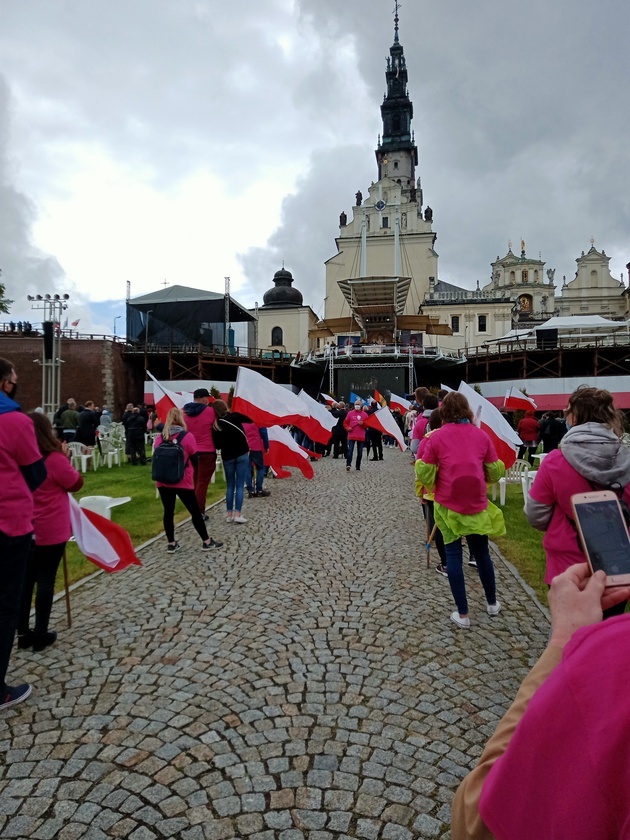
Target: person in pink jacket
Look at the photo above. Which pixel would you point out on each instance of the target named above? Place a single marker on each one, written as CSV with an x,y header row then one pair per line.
x,y
52,530
184,489
457,462
354,424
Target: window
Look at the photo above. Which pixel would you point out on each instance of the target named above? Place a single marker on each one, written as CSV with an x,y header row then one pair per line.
x,y
276,337
524,276
385,221
395,164
455,323
482,323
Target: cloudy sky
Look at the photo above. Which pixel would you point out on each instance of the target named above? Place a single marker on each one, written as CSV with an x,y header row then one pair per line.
x,y
186,140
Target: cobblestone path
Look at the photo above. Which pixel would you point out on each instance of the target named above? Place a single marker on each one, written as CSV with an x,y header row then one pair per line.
x,y
302,682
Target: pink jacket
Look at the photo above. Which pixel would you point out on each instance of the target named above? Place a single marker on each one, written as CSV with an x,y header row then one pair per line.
x,y
460,450
51,514
354,424
419,427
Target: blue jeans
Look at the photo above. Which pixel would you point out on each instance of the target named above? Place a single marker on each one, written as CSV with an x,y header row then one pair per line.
x,y
235,476
13,561
255,461
360,444
479,548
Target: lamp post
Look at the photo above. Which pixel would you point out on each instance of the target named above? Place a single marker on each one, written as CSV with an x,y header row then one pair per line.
x,y
53,307
146,339
115,319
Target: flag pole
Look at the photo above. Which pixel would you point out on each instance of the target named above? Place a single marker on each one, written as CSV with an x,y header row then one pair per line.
x,y
65,582
429,541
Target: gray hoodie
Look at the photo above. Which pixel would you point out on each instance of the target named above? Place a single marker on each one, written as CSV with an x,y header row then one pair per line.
x,y
597,454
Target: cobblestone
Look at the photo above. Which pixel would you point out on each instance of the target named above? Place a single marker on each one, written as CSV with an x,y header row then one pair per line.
x,y
287,688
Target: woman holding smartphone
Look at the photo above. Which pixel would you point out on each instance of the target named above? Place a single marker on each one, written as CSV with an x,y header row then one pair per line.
x,y
591,457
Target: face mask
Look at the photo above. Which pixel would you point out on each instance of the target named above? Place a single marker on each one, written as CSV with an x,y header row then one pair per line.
x,y
357,408
11,393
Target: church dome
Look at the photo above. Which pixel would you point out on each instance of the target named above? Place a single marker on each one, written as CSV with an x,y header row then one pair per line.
x,y
283,295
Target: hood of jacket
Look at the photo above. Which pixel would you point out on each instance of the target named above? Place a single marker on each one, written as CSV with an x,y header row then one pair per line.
x,y
7,404
194,409
596,453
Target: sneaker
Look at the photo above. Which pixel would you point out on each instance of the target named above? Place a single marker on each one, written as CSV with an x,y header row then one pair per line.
x,y
347,467
441,569
240,520
206,518
25,640
472,562
251,495
210,545
230,520
171,548
464,623
264,493
44,640
494,609
11,696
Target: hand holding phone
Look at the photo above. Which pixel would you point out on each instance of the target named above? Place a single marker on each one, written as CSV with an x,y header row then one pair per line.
x,y
603,534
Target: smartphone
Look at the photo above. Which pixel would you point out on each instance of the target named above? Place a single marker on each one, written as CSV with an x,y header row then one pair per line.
x,y
603,534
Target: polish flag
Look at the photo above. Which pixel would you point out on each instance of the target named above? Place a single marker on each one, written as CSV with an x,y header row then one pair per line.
x,y
400,403
167,399
328,399
383,421
489,418
516,400
268,404
284,452
76,323
321,422
102,541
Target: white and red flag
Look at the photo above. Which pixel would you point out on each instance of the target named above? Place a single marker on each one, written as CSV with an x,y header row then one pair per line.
x,y
268,404
285,452
102,541
400,403
327,398
321,422
383,421
76,323
166,399
516,400
489,418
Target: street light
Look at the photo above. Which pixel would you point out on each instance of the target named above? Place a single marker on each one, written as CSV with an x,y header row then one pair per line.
x,y
53,307
115,319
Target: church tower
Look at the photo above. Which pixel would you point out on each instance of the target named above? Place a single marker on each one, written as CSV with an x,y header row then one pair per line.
x,y
385,253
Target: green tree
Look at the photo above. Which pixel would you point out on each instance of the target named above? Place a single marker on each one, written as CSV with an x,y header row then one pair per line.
x,y
5,303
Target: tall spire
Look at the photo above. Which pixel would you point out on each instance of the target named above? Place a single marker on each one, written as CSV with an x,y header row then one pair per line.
x,y
397,154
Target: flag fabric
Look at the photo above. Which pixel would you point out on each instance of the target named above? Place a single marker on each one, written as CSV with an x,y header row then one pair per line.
x,y
400,403
76,323
380,399
102,541
445,388
65,324
516,400
168,399
321,423
268,404
383,421
489,418
285,452
327,398
354,398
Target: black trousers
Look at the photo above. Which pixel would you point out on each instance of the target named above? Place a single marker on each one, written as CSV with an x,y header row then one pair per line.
x,y
340,445
137,449
41,572
13,560
169,496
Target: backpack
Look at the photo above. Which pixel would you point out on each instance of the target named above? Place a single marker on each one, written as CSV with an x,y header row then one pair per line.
x,y
169,461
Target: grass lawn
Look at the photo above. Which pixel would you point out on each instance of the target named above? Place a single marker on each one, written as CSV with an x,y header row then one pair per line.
x,y
141,517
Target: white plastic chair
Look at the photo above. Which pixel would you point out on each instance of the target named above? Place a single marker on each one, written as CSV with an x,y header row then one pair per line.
x,y
103,504
80,456
514,475
111,453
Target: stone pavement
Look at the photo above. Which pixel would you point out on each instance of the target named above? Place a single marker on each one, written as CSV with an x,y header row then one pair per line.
x,y
305,681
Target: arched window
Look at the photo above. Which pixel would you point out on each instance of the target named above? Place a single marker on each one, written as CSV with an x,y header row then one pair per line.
x,y
512,277
524,276
276,337
594,278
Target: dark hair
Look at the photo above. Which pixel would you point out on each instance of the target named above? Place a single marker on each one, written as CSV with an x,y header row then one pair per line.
x,y
47,441
442,394
594,405
220,410
420,393
455,407
435,420
430,402
6,369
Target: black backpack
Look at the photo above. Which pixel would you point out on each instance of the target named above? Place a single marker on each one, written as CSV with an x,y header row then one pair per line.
x,y
169,461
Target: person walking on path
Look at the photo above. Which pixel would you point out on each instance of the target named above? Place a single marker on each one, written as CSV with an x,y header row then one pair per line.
x,y
458,461
199,420
175,430
258,442
229,436
339,433
591,457
52,530
355,426
22,469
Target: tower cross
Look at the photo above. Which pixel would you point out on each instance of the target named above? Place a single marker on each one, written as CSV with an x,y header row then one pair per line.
x,y
397,5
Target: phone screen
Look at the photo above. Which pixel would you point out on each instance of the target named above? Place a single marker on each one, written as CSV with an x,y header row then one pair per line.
x,y
605,535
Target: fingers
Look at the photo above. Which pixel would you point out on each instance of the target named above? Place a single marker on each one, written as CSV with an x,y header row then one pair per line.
x,y
615,595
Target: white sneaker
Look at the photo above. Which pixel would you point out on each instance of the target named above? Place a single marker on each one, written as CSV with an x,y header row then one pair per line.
x,y
239,519
461,622
229,520
494,609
